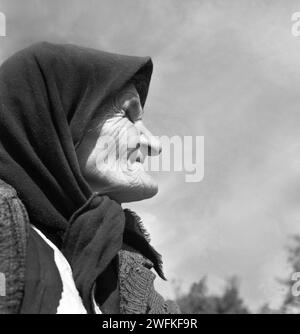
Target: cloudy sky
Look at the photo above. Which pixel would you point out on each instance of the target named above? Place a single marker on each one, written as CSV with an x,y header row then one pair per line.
x,y
228,71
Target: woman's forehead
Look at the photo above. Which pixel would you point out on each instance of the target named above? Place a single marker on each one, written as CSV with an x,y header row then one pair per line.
x,y
126,100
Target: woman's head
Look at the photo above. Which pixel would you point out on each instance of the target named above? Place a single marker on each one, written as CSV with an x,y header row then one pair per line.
x,y
49,94
113,150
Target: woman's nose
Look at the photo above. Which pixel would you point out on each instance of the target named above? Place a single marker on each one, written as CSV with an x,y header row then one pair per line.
x,y
148,141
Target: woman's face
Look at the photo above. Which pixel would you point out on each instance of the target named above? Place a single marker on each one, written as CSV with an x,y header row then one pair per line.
x,y
112,152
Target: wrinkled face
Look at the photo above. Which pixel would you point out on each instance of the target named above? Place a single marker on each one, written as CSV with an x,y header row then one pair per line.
x,y
112,153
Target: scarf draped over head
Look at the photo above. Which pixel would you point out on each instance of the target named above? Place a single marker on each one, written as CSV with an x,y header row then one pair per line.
x,y
48,95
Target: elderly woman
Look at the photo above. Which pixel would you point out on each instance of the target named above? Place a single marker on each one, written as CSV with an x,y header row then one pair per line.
x,y
72,143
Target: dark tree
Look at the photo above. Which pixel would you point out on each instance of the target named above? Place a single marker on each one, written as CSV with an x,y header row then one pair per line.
x,y
198,301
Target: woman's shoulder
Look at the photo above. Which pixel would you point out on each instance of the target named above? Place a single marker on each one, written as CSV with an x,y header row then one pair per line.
x,y
14,227
37,277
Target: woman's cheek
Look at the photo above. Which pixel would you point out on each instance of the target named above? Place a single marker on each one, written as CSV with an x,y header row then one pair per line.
x,y
110,155
126,138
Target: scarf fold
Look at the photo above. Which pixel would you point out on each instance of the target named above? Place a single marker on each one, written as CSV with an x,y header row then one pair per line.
x,y
48,95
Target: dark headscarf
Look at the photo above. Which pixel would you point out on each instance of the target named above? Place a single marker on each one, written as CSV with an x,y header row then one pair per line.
x,y
48,95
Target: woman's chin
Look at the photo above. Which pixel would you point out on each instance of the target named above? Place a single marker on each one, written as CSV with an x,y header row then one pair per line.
x,y
130,186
